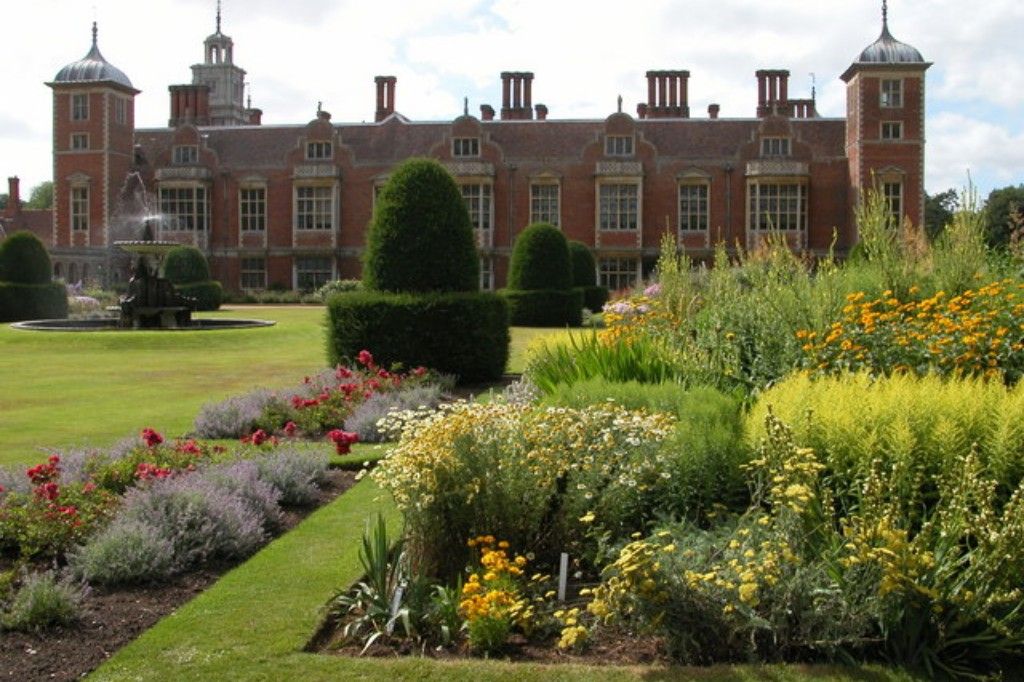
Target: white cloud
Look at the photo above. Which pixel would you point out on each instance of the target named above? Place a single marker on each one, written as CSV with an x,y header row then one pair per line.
x,y
958,144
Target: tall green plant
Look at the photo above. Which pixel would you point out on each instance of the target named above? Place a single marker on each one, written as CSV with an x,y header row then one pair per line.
x,y
960,255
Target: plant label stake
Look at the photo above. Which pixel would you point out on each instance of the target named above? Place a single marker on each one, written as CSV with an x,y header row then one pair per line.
x,y
396,601
563,575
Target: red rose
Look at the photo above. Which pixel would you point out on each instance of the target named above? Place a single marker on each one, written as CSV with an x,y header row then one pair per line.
x,y
151,438
290,428
365,358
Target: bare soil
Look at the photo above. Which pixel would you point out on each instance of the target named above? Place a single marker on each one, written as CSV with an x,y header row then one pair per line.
x,y
112,618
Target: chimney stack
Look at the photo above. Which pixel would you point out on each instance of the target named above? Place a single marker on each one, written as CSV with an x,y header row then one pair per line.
x,y
713,110
189,104
773,93
667,95
486,112
516,95
542,112
385,96
641,111
255,116
13,194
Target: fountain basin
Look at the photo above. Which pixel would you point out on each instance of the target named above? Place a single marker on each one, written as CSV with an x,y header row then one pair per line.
x,y
113,324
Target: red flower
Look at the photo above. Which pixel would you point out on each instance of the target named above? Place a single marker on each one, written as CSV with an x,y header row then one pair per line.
x,y
259,437
289,429
343,373
419,371
297,402
151,438
41,473
365,359
147,471
343,440
88,487
54,459
48,491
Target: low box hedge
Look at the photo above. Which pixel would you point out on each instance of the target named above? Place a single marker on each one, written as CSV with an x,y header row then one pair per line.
x,y
208,295
544,307
594,297
465,334
32,301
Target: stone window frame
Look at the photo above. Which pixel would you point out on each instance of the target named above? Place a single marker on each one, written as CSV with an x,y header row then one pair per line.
x,y
703,210
890,93
245,268
252,210
79,142
480,207
78,207
319,150
465,147
541,206
604,212
890,131
776,146
79,105
316,280
171,199
300,209
774,210
620,145
185,154
608,275
486,273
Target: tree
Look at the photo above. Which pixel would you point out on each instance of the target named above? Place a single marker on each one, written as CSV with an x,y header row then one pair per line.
x,y
3,201
938,211
41,196
1001,206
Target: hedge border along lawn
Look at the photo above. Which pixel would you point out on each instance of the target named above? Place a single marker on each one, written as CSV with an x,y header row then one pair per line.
x,y
254,623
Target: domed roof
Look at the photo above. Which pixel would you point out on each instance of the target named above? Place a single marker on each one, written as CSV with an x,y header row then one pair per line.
x,y
92,68
888,50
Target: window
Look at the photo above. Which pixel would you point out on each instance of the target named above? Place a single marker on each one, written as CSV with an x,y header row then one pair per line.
x,y
775,146
79,141
80,209
314,208
892,130
252,209
318,151
479,204
618,145
120,110
312,272
693,207
486,273
466,146
618,273
184,209
185,154
777,206
893,194
891,93
619,206
544,203
253,273
79,107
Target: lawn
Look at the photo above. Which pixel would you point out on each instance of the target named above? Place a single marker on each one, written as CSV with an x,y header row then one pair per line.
x,y
63,390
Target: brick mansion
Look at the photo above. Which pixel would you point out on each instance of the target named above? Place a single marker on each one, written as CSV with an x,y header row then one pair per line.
x,y
289,205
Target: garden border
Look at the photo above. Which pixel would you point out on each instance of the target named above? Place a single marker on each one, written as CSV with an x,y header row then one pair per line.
x,y
254,623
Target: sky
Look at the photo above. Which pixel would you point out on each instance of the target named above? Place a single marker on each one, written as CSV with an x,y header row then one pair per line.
x,y
584,54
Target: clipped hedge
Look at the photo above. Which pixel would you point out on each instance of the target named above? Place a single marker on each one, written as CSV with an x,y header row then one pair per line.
x,y
594,297
540,260
186,268
24,260
208,295
32,302
464,333
544,307
421,238
584,267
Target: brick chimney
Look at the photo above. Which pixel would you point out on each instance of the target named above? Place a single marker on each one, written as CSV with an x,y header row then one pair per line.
x,y
773,93
542,111
667,94
641,111
713,110
385,96
486,112
516,95
13,195
189,104
255,116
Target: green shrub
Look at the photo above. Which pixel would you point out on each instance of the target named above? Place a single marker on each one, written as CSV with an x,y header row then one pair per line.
x,y
208,295
544,307
923,426
584,268
43,601
337,286
540,260
465,334
705,453
594,297
32,301
421,238
186,264
24,260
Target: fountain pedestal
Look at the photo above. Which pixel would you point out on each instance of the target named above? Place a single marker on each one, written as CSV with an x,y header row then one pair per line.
x,y
151,301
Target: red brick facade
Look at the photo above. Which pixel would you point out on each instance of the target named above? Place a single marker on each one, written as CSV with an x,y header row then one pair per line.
x,y
288,206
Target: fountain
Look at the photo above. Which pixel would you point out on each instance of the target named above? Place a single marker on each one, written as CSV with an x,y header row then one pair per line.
x,y
151,301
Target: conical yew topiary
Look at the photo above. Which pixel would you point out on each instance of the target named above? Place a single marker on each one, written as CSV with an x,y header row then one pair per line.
x,y
24,260
540,260
584,269
421,239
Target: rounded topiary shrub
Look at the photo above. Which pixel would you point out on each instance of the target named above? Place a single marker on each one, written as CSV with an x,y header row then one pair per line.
x,y
584,276
421,238
23,260
187,269
186,264
461,333
26,292
540,259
